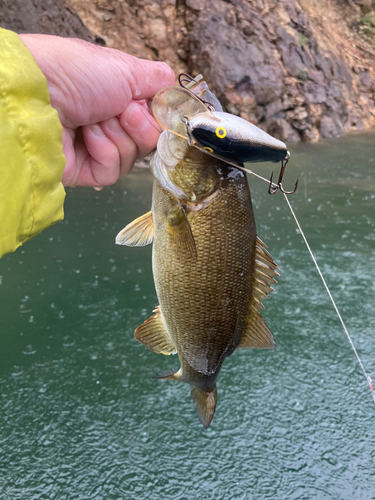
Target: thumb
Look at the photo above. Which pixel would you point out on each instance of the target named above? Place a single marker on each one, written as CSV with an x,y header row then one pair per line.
x,y
145,78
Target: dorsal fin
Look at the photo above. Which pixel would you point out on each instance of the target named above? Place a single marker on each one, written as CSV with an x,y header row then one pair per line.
x,y
138,233
257,334
154,335
264,271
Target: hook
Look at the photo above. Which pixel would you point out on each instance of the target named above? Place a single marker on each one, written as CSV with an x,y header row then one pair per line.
x,y
274,187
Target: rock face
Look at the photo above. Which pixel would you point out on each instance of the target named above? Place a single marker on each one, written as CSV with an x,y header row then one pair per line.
x,y
296,68
299,69
42,16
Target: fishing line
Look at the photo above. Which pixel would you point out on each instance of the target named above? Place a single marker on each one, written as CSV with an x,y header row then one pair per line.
x,y
368,378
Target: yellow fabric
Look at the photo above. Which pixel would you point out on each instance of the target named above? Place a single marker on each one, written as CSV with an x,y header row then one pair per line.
x,y
31,155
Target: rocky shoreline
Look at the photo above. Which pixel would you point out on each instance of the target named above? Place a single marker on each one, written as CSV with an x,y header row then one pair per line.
x,y
298,69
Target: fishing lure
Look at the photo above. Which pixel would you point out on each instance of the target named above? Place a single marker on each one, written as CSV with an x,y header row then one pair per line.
x,y
223,135
234,138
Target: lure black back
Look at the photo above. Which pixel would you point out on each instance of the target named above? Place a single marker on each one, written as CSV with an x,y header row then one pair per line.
x,y
234,138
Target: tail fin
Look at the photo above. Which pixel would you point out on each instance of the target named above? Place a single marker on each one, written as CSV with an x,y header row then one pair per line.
x,y
205,404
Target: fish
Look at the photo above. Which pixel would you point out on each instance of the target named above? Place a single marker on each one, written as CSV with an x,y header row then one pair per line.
x,y
211,271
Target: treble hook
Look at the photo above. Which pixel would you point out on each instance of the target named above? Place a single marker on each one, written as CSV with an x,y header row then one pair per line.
x,y
274,187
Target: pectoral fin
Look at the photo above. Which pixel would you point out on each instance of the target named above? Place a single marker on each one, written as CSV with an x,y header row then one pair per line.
x,y
257,335
180,231
138,233
154,335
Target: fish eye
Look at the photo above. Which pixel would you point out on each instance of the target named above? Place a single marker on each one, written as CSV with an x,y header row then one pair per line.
x,y
221,132
209,149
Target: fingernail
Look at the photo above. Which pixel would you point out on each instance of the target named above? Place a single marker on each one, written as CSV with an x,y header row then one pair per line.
x,y
114,126
135,117
97,130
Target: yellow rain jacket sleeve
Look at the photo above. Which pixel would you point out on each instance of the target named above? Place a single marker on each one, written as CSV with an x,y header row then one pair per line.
x,y
31,155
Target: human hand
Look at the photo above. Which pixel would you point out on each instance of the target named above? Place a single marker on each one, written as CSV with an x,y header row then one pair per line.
x,y
99,95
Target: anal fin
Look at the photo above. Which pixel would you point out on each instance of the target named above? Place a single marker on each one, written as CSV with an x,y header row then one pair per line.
x,y
154,335
138,233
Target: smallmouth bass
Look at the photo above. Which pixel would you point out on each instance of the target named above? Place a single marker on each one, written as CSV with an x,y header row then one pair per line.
x,y
211,272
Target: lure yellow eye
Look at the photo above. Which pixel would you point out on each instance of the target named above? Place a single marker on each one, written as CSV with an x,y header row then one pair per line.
x,y
221,132
209,149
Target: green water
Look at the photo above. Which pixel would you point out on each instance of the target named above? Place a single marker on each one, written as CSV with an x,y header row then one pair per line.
x,y
81,418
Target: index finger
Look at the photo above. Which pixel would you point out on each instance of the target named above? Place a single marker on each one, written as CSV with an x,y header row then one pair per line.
x,y
141,127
